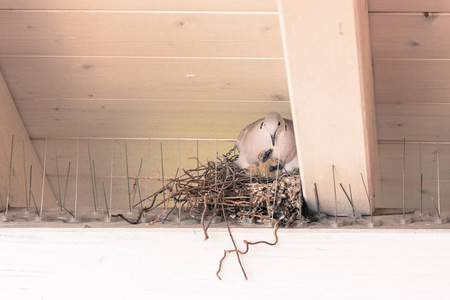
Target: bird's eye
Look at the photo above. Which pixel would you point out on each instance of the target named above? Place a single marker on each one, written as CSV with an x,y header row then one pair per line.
x,y
279,123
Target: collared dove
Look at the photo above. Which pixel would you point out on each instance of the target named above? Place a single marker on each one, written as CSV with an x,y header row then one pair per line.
x,y
273,135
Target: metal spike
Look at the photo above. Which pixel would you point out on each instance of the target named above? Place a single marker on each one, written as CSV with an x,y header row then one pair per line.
x,y
9,178
438,180
111,184
179,174
162,174
368,199
25,175
403,176
43,178
106,202
276,179
95,186
349,200
421,179
128,178
148,173
57,176
198,165
251,163
215,173
335,195
316,196
92,177
35,205
137,183
67,184
4,208
76,179
29,188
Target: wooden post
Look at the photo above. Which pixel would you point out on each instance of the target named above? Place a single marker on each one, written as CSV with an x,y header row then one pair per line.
x,y
329,68
11,123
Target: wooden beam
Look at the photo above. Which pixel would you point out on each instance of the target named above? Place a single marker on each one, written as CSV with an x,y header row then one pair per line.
x,y
353,264
328,63
11,124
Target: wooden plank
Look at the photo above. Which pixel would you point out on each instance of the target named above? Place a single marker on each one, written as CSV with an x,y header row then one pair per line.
x,y
421,81
11,124
391,162
410,36
101,154
170,5
366,78
142,118
393,195
391,165
332,98
413,121
134,34
144,78
408,6
152,261
137,150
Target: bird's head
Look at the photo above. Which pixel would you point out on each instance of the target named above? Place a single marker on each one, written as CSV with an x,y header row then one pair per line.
x,y
272,124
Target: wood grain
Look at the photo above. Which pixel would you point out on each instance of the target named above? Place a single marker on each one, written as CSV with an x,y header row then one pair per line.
x,y
409,6
413,121
143,118
35,263
422,81
11,124
416,161
410,36
100,151
137,150
144,78
393,195
175,5
133,34
337,87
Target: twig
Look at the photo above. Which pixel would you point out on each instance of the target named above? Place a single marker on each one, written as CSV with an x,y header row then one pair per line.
x,y
247,248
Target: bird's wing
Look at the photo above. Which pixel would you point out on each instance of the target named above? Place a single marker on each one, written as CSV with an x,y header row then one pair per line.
x,y
289,122
244,131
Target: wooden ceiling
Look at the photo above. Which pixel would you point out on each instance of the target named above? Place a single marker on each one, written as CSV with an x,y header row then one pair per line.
x,y
206,68
99,68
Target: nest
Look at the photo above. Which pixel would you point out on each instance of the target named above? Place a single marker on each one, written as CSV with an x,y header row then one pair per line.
x,y
260,194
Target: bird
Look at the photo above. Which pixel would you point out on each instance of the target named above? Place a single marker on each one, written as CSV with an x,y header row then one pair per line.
x,y
275,136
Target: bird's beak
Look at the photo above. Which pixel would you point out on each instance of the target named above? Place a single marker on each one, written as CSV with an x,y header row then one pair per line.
x,y
273,138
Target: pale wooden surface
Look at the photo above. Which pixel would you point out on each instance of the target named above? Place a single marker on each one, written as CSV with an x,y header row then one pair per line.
x,y
410,35
11,124
331,99
391,163
169,263
420,121
101,154
409,6
368,109
143,118
143,78
411,74
170,5
201,69
82,33
425,81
